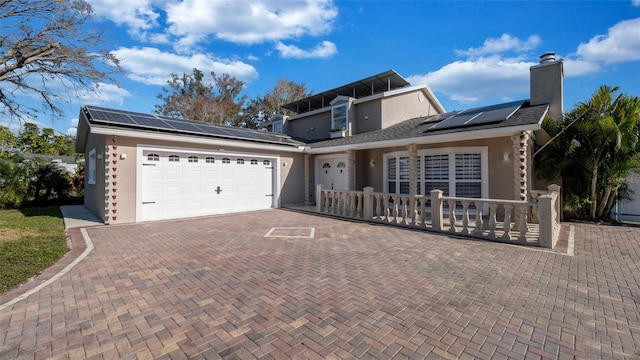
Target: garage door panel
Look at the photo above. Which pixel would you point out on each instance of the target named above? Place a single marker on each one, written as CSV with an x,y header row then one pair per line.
x,y
174,189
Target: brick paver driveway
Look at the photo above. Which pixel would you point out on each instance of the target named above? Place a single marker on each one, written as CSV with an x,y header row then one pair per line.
x,y
216,287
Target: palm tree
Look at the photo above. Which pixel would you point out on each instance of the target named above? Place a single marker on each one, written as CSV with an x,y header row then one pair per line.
x,y
593,149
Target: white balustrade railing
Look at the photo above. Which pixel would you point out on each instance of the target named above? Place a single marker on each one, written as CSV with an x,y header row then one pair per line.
x,y
526,222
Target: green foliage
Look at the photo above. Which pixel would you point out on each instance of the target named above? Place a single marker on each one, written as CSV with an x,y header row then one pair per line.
x,y
15,178
8,142
595,146
32,140
30,241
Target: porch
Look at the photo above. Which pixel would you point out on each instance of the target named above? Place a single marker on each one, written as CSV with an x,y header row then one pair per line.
x,y
535,222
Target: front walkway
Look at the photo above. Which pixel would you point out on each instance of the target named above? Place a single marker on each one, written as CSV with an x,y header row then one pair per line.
x,y
318,287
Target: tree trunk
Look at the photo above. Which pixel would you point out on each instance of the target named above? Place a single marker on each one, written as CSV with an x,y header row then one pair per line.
x,y
594,184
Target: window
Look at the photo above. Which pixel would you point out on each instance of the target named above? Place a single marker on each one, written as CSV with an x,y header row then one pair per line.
x,y
254,162
91,169
460,172
277,127
226,161
174,158
193,159
266,162
341,165
240,161
210,160
339,117
153,157
398,174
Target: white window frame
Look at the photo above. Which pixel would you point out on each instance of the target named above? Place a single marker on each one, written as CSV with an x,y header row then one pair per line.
x,y
335,127
451,152
91,167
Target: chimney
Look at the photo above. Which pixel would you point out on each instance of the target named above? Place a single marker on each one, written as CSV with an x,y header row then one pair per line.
x,y
547,84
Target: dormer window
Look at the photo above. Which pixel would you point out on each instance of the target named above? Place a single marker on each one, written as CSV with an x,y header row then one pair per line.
x,y
339,117
276,127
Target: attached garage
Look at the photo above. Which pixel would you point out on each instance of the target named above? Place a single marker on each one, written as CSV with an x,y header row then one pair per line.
x,y
144,167
177,184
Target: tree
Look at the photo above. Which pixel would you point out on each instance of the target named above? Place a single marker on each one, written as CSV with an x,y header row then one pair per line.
x,y
593,149
46,51
8,142
189,97
262,108
30,139
14,182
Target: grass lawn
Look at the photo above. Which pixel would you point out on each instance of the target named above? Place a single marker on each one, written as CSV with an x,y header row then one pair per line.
x,y
30,241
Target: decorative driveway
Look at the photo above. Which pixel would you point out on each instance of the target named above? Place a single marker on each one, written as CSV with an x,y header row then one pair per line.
x,y
318,288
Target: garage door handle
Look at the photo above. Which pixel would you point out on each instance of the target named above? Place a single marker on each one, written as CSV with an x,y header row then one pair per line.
x,y
269,195
148,202
148,164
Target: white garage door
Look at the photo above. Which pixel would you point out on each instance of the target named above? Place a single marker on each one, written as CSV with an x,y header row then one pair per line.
x,y
181,184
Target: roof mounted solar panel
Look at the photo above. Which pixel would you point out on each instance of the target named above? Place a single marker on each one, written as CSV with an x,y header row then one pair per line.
x,y
480,115
440,117
148,121
111,117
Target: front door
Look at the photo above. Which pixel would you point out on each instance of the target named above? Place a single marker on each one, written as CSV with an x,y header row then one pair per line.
x,y
332,172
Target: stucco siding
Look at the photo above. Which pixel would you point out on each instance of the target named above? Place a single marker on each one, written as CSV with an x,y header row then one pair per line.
x,y
312,127
94,197
405,106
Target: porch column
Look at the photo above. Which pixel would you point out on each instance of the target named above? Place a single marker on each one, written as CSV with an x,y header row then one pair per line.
x,y
307,179
413,169
520,168
351,170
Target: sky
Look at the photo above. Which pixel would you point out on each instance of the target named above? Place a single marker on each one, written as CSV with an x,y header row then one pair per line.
x,y
469,53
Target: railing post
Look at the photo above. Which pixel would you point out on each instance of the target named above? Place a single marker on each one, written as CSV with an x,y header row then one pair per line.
x,y
436,210
554,188
545,220
368,203
319,199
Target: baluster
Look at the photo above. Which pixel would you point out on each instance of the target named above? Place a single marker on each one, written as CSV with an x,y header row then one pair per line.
x,y
479,206
523,223
359,209
379,207
387,209
395,209
506,225
343,203
336,202
492,220
413,208
465,217
352,205
326,202
347,204
423,212
452,215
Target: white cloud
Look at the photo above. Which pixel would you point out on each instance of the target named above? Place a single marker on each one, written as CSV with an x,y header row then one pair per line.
x,y
104,93
72,131
501,45
472,81
324,49
152,66
139,16
579,67
248,23
635,3
621,44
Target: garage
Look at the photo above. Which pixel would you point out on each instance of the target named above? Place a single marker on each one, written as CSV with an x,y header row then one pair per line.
x,y
178,184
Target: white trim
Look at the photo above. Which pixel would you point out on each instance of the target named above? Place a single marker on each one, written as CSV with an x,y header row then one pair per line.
x,y
424,140
141,134
140,148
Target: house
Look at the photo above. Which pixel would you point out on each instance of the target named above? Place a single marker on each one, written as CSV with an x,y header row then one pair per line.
x,y
377,132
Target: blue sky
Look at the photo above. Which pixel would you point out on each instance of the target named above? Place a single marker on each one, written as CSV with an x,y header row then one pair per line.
x,y
469,53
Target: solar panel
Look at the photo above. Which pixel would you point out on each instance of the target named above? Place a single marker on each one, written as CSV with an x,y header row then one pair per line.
x,y
108,116
149,121
496,114
183,125
439,117
480,115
